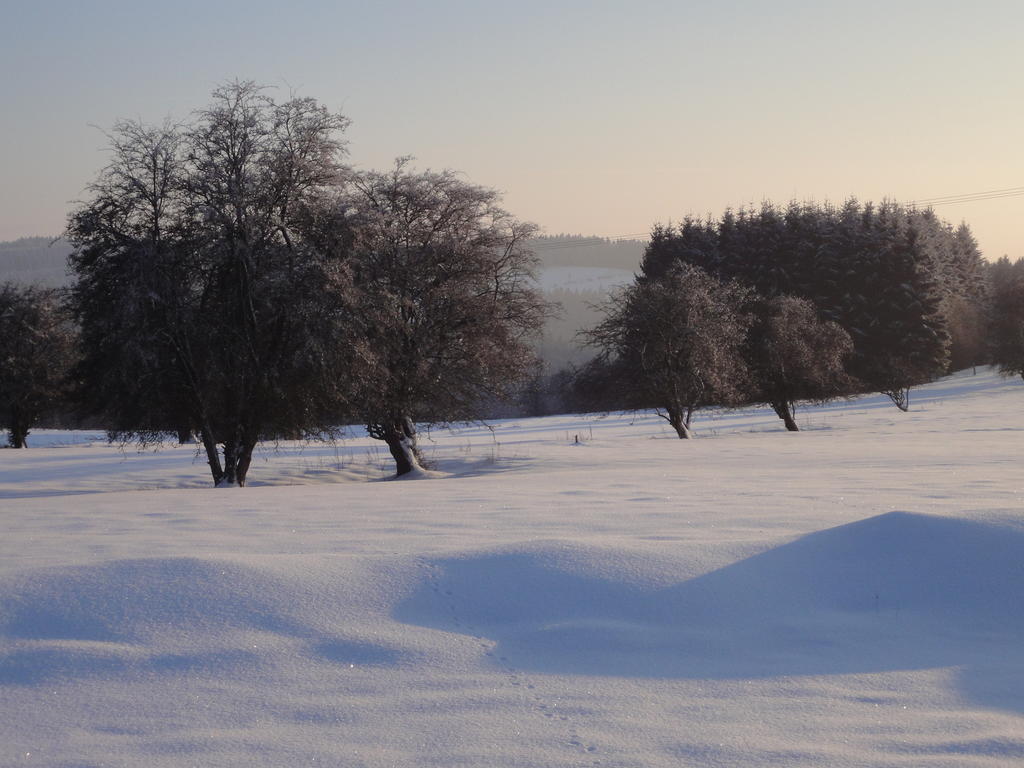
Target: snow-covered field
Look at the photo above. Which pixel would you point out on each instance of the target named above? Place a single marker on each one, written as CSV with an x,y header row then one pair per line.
x,y
852,595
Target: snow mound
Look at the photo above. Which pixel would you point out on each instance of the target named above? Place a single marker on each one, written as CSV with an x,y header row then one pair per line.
x,y
132,600
896,591
896,565
173,615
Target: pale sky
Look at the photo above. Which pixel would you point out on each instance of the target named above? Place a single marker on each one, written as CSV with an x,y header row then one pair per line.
x,y
592,117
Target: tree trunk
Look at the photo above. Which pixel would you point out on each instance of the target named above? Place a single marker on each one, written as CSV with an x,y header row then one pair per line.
x,y
900,396
230,478
18,429
244,460
212,454
785,412
237,458
679,423
400,436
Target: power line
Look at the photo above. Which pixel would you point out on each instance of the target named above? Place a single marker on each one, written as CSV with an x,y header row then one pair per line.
x,y
992,194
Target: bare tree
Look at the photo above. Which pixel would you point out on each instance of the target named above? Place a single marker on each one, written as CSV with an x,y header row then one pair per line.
x,y
36,348
793,355
133,266
673,343
205,298
447,301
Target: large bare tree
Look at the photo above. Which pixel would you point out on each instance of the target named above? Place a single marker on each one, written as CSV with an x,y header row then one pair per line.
x,y
448,302
205,299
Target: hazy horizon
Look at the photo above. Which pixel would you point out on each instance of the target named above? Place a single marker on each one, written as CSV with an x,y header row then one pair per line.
x,y
592,118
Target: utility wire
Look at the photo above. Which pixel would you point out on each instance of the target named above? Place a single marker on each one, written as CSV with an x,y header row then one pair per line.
x,y
992,194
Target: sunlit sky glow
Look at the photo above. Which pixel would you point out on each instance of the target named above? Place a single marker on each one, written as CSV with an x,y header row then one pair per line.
x,y
592,117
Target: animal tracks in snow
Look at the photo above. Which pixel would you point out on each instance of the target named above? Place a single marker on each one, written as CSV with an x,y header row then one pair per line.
x,y
541,704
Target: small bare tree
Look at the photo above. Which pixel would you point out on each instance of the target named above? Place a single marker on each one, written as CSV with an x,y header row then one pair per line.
x,y
794,355
674,344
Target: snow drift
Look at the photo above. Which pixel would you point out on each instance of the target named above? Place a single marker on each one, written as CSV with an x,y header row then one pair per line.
x,y
897,591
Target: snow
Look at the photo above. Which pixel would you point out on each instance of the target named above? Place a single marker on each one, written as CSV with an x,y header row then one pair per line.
x,y
846,596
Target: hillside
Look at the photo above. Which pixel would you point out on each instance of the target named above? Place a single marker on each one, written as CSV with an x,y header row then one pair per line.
x,y
566,259
588,251
575,271
35,260
844,596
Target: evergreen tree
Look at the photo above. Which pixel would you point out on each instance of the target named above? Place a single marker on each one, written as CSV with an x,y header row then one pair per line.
x,y
966,309
1006,331
902,333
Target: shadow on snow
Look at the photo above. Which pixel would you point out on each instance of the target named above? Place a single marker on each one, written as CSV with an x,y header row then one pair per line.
x,y
895,592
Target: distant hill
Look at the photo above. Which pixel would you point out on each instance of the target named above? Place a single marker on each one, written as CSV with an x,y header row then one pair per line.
x,y
35,261
588,251
577,271
43,260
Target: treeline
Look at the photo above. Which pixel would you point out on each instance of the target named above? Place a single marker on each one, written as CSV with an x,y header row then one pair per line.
x,y
235,281
587,251
778,305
